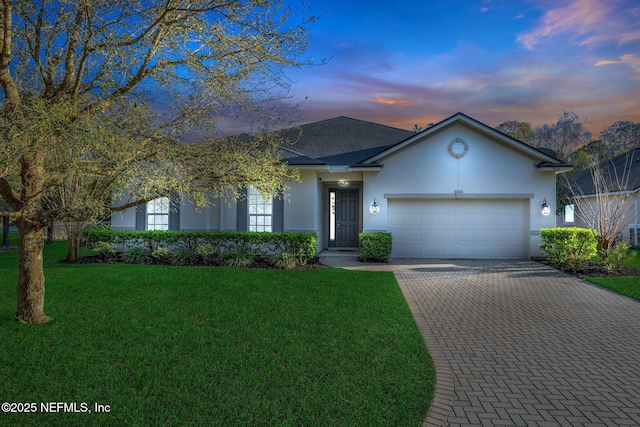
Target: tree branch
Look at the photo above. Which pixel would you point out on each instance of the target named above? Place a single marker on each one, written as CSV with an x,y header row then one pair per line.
x,y
9,195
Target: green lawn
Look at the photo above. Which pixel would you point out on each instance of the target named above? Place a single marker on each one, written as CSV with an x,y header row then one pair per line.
x,y
214,346
629,286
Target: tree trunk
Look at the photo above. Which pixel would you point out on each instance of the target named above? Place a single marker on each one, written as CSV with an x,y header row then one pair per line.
x,y
5,231
74,237
31,276
31,230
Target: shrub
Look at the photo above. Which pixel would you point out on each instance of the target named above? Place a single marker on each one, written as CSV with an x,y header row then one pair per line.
x,y
375,247
105,250
137,255
614,256
237,259
285,260
184,256
161,255
572,246
208,254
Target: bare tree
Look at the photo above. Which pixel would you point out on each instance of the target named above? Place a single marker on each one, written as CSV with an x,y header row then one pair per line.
x,y
602,195
563,137
102,93
620,137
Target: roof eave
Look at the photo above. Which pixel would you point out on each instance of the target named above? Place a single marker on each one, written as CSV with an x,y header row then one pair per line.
x,y
557,168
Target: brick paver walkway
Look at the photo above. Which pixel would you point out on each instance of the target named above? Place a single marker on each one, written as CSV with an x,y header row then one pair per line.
x,y
519,343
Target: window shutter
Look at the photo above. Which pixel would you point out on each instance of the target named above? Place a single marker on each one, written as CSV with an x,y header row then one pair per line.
x,y
141,217
242,212
174,212
277,221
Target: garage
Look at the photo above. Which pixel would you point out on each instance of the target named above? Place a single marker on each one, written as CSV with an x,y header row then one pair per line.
x,y
459,228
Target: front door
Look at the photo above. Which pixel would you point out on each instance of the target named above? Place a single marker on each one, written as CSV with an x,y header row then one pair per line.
x,y
345,220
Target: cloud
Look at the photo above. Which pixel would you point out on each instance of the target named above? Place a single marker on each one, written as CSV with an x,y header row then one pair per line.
x,y
630,59
388,101
589,22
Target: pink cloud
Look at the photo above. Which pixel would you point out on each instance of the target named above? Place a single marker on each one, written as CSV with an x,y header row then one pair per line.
x,y
589,21
631,60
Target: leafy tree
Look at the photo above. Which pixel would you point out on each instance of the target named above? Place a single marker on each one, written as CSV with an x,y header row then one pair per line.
x,y
563,137
620,137
521,131
100,97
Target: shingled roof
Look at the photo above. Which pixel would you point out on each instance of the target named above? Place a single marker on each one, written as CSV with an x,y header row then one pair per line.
x,y
339,141
624,168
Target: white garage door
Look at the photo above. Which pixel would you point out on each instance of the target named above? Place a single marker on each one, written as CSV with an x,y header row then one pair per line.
x,y
459,228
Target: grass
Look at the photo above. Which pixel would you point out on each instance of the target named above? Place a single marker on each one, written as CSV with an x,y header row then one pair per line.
x,y
214,346
628,286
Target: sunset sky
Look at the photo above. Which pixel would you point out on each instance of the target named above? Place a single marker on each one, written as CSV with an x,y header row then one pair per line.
x,y
402,63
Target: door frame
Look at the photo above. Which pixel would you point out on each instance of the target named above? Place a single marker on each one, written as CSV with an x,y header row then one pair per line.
x,y
328,206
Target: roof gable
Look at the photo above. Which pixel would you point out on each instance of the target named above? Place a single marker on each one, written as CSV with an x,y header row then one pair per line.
x,y
545,159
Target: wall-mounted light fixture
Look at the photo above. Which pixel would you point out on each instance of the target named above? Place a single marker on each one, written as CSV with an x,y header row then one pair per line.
x,y
343,182
374,209
546,210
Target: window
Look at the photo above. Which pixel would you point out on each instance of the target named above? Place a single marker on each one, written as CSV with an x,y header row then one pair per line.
x,y
158,214
332,215
260,211
569,214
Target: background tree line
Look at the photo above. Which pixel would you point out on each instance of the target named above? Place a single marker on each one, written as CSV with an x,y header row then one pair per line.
x,y
603,200
570,139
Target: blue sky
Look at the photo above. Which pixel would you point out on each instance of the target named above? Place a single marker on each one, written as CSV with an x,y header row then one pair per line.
x,y
405,63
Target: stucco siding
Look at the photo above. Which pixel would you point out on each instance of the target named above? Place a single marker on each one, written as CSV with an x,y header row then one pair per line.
x,y
630,211
488,169
300,204
199,219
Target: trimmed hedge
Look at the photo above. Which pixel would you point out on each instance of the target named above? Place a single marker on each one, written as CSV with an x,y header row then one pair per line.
x,y
572,246
257,244
375,247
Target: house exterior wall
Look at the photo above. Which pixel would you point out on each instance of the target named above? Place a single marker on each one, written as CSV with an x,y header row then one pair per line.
x,y
585,209
300,204
206,218
123,220
488,169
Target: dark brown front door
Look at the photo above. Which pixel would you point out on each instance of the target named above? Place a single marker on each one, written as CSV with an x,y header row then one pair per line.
x,y
347,209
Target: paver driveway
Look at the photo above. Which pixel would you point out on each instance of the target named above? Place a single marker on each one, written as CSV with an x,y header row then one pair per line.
x,y
519,343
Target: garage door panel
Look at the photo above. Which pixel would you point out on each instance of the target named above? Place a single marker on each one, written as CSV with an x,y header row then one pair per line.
x,y
464,228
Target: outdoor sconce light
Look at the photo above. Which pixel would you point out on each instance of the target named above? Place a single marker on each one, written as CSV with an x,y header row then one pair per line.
x,y
374,209
546,210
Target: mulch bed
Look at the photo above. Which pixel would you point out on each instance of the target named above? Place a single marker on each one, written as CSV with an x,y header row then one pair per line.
x,y
258,264
593,269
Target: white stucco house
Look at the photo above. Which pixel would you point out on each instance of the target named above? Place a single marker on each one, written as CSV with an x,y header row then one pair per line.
x,y
459,189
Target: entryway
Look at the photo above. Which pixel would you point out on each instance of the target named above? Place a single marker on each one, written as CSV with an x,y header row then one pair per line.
x,y
344,217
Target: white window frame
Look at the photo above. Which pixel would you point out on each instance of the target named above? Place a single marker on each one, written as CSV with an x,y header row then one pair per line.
x,y
158,214
570,214
260,211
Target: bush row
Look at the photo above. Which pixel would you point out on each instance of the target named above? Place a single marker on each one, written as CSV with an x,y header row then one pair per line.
x,y
203,255
575,247
301,246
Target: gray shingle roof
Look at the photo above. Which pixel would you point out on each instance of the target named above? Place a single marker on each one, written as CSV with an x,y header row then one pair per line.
x,y
339,141
624,168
